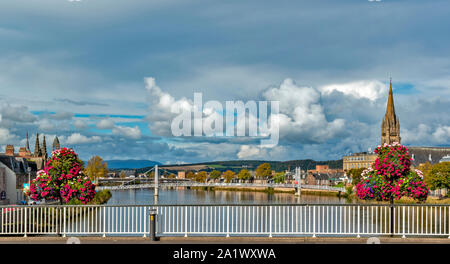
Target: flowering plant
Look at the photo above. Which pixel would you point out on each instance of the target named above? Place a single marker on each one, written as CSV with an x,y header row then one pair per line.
x,y
62,179
390,177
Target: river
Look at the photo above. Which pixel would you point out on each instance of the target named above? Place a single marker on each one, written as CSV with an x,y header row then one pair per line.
x,y
196,196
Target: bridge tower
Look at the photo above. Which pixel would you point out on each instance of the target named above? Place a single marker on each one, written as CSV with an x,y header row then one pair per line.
x,y
156,181
298,189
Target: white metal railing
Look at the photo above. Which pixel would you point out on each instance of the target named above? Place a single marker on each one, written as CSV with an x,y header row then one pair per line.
x,y
228,220
202,184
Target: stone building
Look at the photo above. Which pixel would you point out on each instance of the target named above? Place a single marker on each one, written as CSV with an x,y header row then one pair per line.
x,y
358,160
323,175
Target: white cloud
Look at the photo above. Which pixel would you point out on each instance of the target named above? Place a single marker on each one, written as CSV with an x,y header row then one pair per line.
x,y
6,137
46,125
129,132
442,134
302,116
249,152
80,124
163,108
18,113
77,138
371,90
424,135
105,124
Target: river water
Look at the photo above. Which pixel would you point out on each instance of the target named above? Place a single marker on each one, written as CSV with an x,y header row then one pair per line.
x,y
196,196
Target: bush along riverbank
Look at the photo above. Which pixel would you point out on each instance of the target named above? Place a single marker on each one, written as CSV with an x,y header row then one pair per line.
x,y
101,197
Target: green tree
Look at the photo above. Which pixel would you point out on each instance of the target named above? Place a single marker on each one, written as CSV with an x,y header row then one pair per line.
x,y
279,177
356,175
228,176
96,168
264,171
426,170
439,176
244,175
215,174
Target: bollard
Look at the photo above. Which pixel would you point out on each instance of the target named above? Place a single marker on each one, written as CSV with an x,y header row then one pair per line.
x,y
152,227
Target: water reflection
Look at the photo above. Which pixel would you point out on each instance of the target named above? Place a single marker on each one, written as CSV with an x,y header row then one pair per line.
x,y
195,196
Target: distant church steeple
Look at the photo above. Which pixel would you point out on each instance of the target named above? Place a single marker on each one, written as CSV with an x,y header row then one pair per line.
x,y
56,144
27,146
390,127
37,147
44,149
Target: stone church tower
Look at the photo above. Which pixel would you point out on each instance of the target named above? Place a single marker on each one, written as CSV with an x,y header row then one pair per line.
x,y
390,127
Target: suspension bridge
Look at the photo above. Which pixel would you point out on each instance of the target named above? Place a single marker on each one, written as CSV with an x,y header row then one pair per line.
x,y
173,183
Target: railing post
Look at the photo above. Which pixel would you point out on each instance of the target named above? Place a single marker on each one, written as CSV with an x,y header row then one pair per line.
x,y
26,221
228,221
104,221
314,221
64,222
404,216
185,222
270,221
448,225
359,222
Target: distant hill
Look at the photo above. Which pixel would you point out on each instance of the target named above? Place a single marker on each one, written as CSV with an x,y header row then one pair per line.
x,y
130,164
237,165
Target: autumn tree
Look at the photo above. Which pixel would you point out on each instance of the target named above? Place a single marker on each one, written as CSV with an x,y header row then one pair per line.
x,y
201,176
190,175
244,175
228,176
122,175
264,171
96,168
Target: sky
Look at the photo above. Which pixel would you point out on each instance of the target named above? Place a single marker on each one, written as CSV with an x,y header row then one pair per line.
x,y
103,75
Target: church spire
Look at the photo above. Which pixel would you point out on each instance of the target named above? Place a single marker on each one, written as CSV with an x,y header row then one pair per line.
x,y
27,146
390,127
56,144
37,147
390,109
44,148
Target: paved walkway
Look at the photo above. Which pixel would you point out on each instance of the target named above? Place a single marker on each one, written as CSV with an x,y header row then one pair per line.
x,y
217,240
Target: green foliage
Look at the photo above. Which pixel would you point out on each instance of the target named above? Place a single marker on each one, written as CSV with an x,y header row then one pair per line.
x,y
438,176
215,174
279,177
244,175
100,197
356,175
